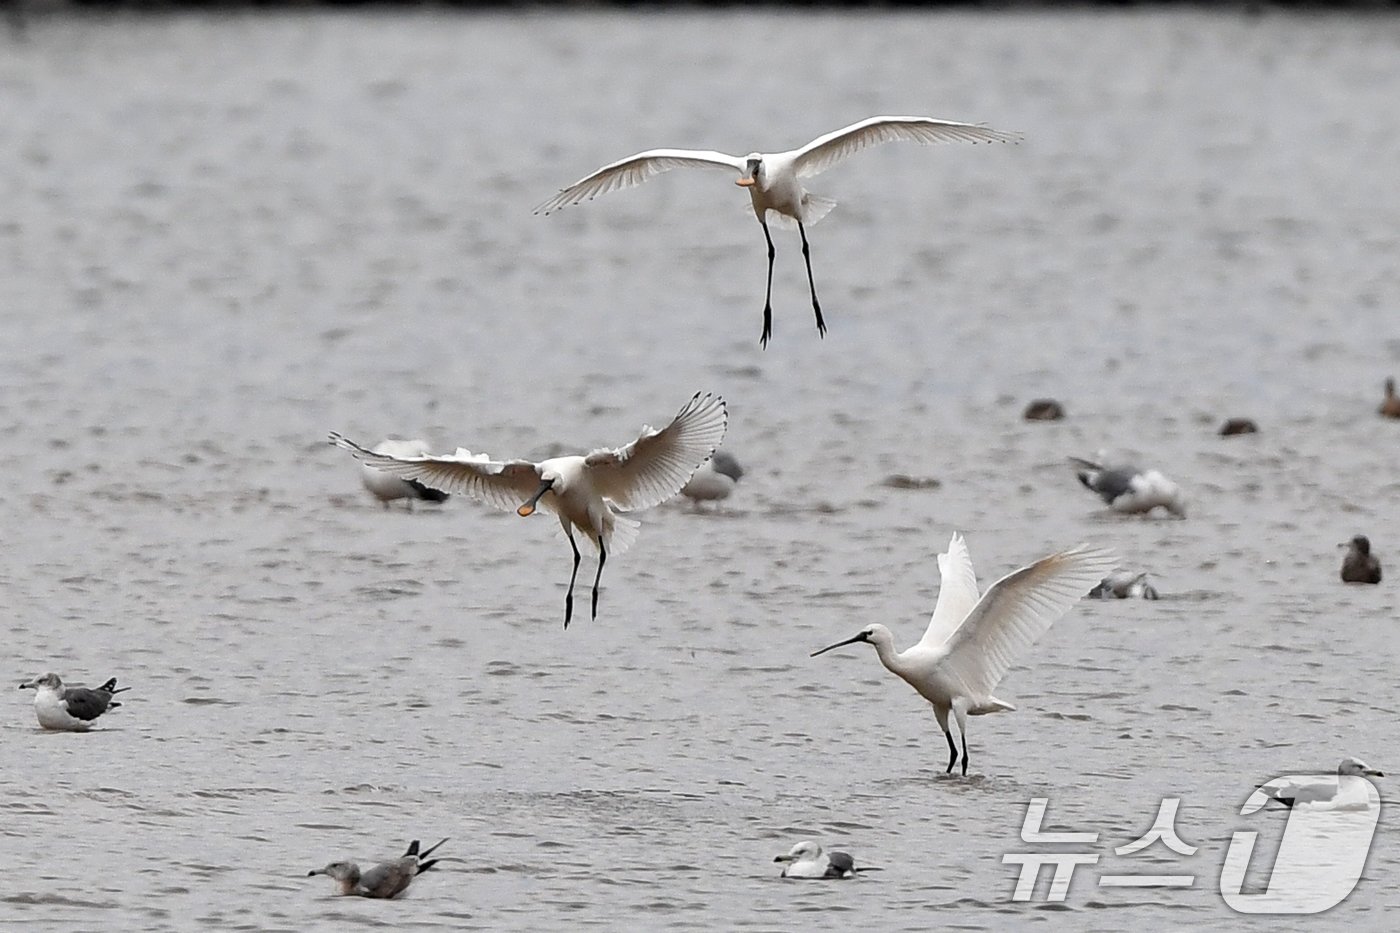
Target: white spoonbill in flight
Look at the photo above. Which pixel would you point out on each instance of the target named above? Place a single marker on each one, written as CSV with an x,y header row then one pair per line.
x,y
774,179
970,642
585,492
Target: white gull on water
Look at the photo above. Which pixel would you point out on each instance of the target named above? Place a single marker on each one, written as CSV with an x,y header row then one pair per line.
x,y
386,880
70,709
807,860
1347,789
585,492
774,178
970,642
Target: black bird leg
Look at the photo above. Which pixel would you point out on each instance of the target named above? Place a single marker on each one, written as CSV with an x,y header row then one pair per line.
x,y
811,283
569,596
768,297
953,750
602,559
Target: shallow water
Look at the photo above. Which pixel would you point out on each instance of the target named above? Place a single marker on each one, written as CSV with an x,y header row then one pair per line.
x,y
225,235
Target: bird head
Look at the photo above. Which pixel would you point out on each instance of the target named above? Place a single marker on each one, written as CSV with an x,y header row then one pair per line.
x,y
873,634
1357,766
803,851
1361,544
753,171
52,681
548,479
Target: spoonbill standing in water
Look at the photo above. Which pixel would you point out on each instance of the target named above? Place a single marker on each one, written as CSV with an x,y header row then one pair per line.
x,y
585,492
970,642
774,179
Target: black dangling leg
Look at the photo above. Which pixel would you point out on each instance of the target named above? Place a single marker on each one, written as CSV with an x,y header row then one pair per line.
x,y
811,283
964,738
952,750
768,296
569,596
602,559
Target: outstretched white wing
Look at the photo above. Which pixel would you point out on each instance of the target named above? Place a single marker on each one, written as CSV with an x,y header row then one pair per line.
x,y
957,594
636,169
656,465
1018,609
501,485
825,151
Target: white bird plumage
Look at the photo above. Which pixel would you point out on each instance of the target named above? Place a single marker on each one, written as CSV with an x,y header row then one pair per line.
x,y
970,642
585,492
1345,790
774,179
386,487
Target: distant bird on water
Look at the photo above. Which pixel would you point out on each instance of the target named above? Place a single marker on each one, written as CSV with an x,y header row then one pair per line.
x,y
1124,586
1360,565
807,860
387,487
774,179
1390,405
715,480
585,492
386,880
70,709
1127,489
970,642
1044,409
1233,426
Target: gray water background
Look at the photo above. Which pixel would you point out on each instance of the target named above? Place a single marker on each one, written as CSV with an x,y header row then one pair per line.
x,y
223,235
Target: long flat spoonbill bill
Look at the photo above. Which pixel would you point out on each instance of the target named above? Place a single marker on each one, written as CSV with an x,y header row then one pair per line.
x,y
774,178
585,492
970,642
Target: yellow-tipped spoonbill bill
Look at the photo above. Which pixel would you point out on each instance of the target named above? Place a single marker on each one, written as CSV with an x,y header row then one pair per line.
x,y
774,178
970,642
585,492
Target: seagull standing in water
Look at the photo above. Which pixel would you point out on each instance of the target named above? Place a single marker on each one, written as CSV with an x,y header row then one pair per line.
x,y
774,180
585,492
70,709
386,880
807,860
970,642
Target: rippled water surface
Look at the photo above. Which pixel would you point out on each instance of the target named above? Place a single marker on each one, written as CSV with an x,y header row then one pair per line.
x,y
224,236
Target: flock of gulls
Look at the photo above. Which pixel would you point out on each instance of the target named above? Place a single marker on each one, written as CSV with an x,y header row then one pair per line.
x,y
973,635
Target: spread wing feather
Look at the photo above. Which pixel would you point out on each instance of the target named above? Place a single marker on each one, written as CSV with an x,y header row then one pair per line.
x,y
825,151
957,593
502,485
635,169
657,464
1018,609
